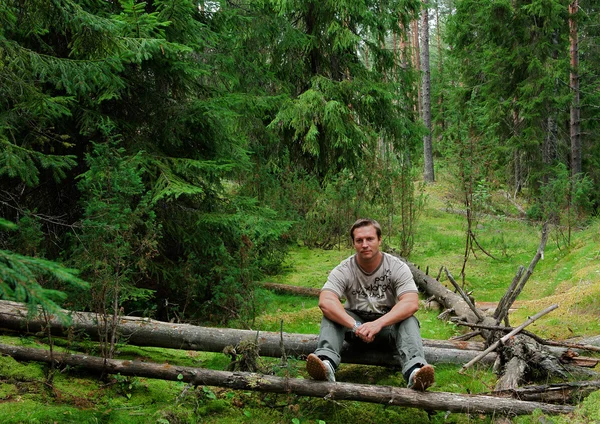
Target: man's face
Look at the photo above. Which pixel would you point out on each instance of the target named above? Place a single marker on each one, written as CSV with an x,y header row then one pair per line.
x,y
366,242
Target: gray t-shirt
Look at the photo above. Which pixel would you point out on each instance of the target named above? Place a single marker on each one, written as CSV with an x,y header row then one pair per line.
x,y
376,292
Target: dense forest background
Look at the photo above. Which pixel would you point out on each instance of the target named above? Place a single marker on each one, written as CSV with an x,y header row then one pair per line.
x,y
167,153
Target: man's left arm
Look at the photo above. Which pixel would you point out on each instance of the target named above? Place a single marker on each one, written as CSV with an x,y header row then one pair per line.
x,y
406,307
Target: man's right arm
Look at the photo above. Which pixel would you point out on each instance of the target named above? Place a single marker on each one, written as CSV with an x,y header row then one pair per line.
x,y
333,309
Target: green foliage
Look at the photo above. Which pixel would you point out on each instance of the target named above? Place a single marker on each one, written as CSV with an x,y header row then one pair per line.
x,y
244,127
565,201
400,191
22,279
29,236
119,234
327,222
22,163
508,93
338,112
161,212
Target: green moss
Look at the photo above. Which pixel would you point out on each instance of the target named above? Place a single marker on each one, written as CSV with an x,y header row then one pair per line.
x,y
12,369
433,328
31,412
7,391
590,408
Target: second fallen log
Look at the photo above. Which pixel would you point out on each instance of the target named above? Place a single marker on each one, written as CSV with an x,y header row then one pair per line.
x,y
386,395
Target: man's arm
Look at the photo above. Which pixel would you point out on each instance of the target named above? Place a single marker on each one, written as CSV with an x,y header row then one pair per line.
x,y
333,309
406,307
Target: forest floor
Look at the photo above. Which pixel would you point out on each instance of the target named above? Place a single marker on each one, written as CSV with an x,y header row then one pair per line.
x,y
569,275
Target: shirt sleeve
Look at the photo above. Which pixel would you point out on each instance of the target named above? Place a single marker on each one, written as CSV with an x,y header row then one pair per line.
x,y
337,281
404,281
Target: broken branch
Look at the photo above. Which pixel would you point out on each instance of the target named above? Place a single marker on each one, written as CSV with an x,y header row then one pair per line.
x,y
506,337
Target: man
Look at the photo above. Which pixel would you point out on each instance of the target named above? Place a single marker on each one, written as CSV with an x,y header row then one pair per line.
x,y
381,299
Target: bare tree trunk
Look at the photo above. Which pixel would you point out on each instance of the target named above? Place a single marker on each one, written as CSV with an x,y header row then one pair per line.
x,y
574,84
440,67
428,174
416,60
266,383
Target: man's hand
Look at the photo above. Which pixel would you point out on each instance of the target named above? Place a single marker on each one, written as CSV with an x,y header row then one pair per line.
x,y
407,305
368,330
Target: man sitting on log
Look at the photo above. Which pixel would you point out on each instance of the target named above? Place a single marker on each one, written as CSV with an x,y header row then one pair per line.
x,y
381,300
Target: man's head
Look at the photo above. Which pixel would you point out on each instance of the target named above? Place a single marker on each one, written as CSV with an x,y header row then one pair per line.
x,y
365,222
366,238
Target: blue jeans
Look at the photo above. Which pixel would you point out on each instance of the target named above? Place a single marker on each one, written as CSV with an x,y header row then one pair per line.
x,y
405,336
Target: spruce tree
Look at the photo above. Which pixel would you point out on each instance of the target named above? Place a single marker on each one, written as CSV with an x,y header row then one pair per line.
x,y
505,73
147,74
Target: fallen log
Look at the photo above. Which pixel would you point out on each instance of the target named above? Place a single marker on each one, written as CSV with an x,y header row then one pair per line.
x,y
443,295
552,393
386,395
526,355
147,332
570,356
288,289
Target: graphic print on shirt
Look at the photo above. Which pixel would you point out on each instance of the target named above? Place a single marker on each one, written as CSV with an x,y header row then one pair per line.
x,y
376,293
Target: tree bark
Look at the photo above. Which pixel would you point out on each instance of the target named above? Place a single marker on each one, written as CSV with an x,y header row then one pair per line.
x,y
266,383
574,85
288,289
552,393
147,332
513,373
506,337
444,296
428,173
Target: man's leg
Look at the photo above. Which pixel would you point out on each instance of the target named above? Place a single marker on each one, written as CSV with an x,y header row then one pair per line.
x,y
329,348
409,343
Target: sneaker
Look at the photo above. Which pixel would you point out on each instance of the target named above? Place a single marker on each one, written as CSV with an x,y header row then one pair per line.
x,y
320,369
421,378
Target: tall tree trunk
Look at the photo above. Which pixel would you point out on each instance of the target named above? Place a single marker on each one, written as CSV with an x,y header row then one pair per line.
x,y
428,174
574,84
441,119
416,59
550,146
517,156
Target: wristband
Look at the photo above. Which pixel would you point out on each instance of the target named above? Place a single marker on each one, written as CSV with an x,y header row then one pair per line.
x,y
356,325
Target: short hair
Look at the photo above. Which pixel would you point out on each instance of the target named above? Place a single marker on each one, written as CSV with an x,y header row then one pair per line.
x,y
365,222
